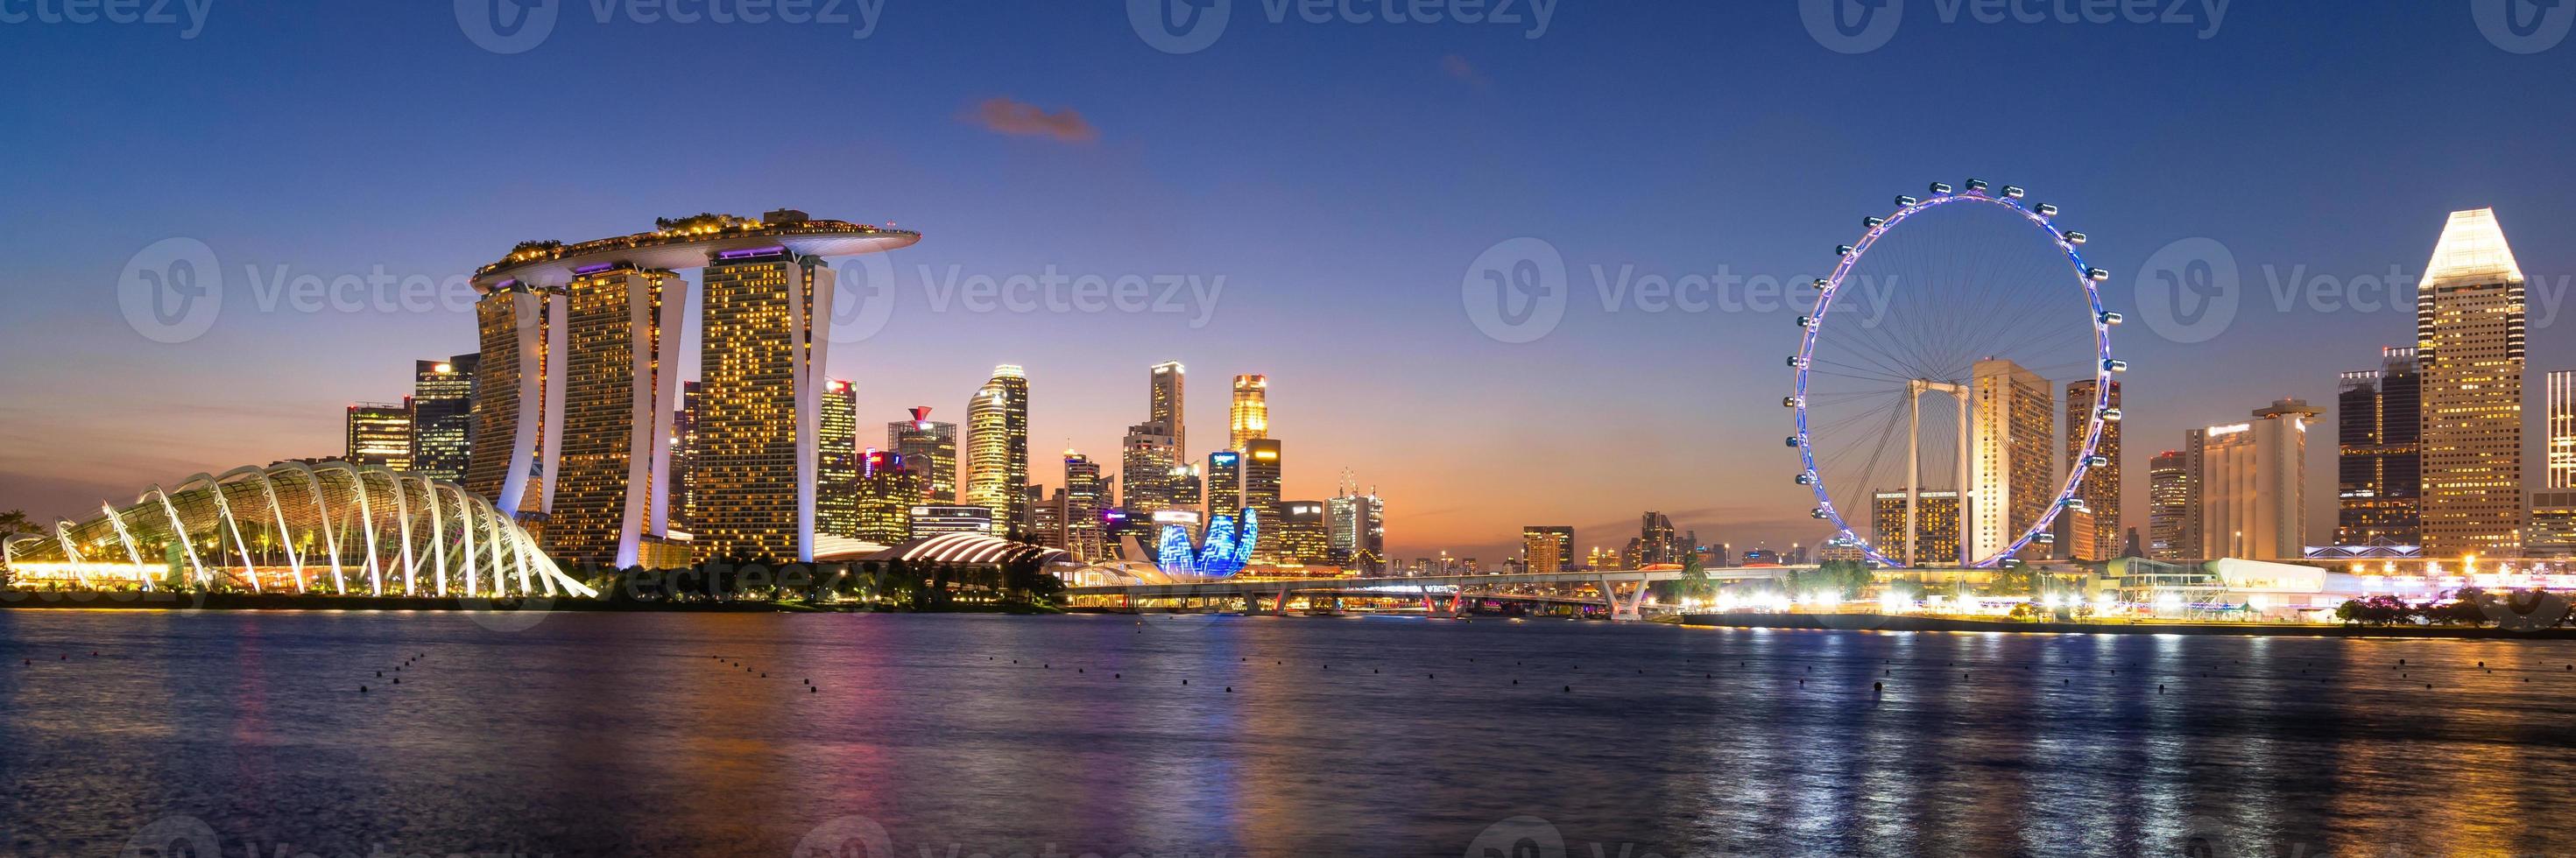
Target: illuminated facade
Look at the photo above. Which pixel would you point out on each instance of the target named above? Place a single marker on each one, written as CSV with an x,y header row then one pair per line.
x,y
934,518
1547,549
1936,527
1224,481
997,447
2378,457
380,433
516,396
2469,336
2010,472
1223,552
1261,472
929,448
2552,533
887,492
1165,399
760,407
1299,533
2168,498
2561,415
1147,458
331,527
1249,419
2095,535
1356,525
684,457
442,417
1086,497
621,386
2253,479
836,501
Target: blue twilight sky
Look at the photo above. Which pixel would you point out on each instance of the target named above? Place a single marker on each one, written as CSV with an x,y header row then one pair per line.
x,y
1342,177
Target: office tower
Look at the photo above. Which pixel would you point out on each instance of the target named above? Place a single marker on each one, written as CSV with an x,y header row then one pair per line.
x,y
1356,525
1261,467
1250,418
2253,479
937,518
2378,463
1656,542
1936,527
2009,467
516,396
380,433
442,417
887,492
1302,537
997,447
1547,548
2188,539
1146,460
1164,406
768,321
621,385
2552,533
929,450
684,456
2561,417
1086,498
1224,483
2469,343
2101,488
1048,515
836,502
1184,484
2168,504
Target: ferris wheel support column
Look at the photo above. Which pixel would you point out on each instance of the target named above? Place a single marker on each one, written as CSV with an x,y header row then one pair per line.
x,y
1913,462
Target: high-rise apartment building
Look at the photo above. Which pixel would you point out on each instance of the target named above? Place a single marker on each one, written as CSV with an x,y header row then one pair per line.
x,y
2168,502
929,450
1936,527
684,456
621,385
516,397
2096,536
837,467
380,433
442,417
2253,479
760,412
2469,339
997,447
2378,460
2009,467
1249,419
2561,428
1547,548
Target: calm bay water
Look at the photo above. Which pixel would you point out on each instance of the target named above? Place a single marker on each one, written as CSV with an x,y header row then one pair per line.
x,y
965,735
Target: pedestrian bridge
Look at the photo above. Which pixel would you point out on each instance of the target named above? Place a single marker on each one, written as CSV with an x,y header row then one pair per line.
x,y
1623,592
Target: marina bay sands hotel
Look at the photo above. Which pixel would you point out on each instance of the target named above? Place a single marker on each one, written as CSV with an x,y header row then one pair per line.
x,y
575,398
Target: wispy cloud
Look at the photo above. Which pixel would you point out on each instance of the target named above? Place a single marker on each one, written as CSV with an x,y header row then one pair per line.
x,y
1004,115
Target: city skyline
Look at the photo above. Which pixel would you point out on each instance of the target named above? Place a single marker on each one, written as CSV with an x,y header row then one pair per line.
x,y
1286,311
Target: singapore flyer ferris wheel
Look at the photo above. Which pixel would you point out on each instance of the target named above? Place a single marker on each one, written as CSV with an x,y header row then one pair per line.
x,y
1931,424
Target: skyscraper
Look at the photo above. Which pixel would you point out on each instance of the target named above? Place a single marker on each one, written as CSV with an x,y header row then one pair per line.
x,y
1936,527
442,417
2009,466
1302,536
2101,488
1146,460
1261,471
1547,548
887,493
1224,483
2253,479
2378,462
516,397
997,447
684,457
2561,416
929,450
760,412
836,500
1250,417
621,385
2469,341
2188,538
380,433
1086,496
1355,524
1164,406
2168,500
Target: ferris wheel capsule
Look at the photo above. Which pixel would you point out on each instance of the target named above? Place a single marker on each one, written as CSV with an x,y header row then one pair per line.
x,y
2075,238
1796,362
1818,512
1872,222
1941,188
1807,322
1907,200
1789,402
1976,186
2097,275
1806,478
2111,415
1842,250
1793,441
1822,283
2110,317
2116,365
2047,210
2097,461
2014,192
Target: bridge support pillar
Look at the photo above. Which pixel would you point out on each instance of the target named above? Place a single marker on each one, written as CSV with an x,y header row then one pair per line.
x,y
1623,610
